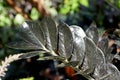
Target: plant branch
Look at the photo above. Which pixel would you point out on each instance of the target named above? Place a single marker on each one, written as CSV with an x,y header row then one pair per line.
x,y
7,62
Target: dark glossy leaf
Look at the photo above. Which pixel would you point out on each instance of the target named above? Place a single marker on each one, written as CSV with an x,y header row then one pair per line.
x,y
113,71
27,35
85,67
108,73
23,45
79,30
109,57
50,32
36,35
103,45
36,29
100,69
100,57
92,32
100,72
90,53
65,43
78,44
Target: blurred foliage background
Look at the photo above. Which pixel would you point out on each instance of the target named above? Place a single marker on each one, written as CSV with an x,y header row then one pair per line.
x,y
106,14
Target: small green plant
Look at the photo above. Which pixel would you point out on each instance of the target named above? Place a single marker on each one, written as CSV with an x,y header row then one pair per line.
x,y
30,78
71,45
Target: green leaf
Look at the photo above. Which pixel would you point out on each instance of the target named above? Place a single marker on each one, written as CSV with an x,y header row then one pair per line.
x,y
19,19
34,14
75,6
30,78
5,20
65,9
84,3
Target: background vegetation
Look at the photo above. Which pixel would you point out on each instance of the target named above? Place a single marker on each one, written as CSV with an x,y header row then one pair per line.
x,y
106,14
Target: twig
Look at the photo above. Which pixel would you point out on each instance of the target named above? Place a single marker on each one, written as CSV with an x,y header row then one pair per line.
x,y
7,62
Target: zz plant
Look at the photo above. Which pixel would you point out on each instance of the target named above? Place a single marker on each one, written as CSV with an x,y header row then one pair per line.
x,y
69,44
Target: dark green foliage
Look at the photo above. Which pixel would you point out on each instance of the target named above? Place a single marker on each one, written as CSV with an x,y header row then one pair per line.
x,y
68,44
